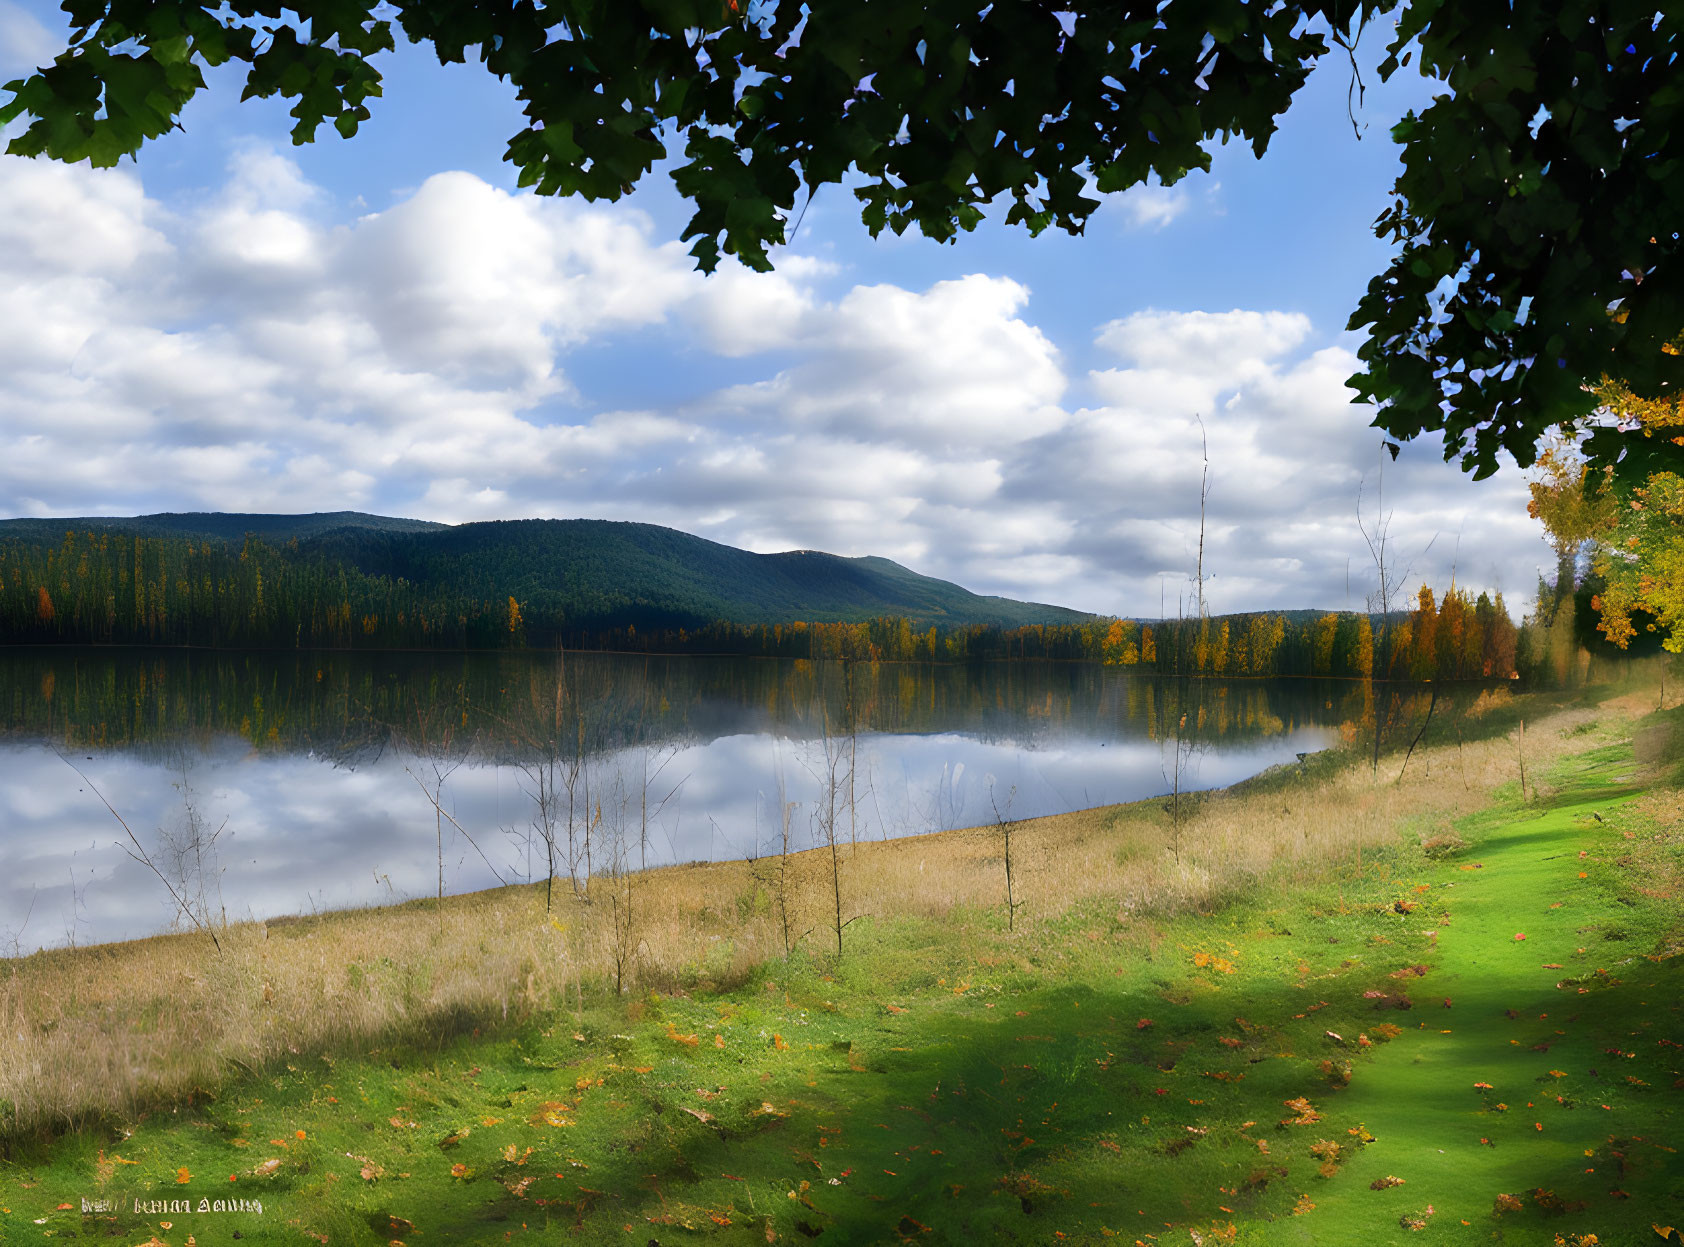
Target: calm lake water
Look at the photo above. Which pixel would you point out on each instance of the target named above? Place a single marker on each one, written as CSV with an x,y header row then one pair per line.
x,y
309,777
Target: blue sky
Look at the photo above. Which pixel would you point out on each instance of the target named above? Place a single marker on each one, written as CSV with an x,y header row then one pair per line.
x,y
386,324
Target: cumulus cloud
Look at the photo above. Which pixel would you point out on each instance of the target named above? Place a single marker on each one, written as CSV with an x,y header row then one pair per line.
x,y
1289,459
257,348
1150,206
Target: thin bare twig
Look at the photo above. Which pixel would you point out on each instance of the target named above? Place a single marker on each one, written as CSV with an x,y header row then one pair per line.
x,y
447,815
139,853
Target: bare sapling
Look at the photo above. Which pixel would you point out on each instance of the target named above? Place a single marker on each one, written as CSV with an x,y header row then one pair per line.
x,y
616,852
75,921
551,780
651,780
545,774
1188,722
193,858
853,756
1376,534
1520,752
1185,744
834,772
542,776
438,763
14,938
578,783
1432,702
138,852
1005,823
782,876
435,765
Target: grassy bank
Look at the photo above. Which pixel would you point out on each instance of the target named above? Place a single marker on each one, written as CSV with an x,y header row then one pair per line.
x,y
1229,1031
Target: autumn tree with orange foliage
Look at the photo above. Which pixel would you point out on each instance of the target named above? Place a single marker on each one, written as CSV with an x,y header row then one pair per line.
x,y
1633,526
1640,547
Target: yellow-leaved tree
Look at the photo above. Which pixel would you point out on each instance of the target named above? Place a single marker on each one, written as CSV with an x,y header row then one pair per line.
x,y
1640,539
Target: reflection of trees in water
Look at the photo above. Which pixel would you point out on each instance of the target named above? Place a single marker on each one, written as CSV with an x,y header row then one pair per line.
x,y
351,708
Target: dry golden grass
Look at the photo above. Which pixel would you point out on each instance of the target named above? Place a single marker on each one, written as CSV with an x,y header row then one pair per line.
x,y
105,1030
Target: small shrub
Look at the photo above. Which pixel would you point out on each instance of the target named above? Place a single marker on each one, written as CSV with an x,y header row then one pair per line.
x,y
1416,1221
1442,846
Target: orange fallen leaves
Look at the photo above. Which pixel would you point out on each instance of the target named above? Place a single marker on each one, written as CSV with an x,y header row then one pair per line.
x,y
1304,1113
1381,1184
182,1176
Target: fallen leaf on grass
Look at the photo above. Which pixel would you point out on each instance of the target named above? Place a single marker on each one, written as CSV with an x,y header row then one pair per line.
x,y
1380,1184
182,1176
267,1168
1305,1113
700,1115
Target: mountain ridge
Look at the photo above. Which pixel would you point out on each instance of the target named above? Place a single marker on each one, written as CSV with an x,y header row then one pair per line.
x,y
591,571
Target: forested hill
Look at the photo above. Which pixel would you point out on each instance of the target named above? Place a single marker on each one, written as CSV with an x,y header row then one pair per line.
x,y
265,579
603,571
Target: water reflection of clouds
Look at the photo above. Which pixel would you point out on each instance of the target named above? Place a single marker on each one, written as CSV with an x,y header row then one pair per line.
x,y
302,833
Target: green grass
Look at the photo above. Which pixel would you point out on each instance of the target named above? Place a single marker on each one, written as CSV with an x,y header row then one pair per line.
x,y
1090,1079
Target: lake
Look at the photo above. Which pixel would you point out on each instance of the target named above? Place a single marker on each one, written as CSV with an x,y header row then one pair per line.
x,y
268,784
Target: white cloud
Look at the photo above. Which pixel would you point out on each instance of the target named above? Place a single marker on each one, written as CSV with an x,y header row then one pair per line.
x,y
25,44
1151,206
250,350
952,366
